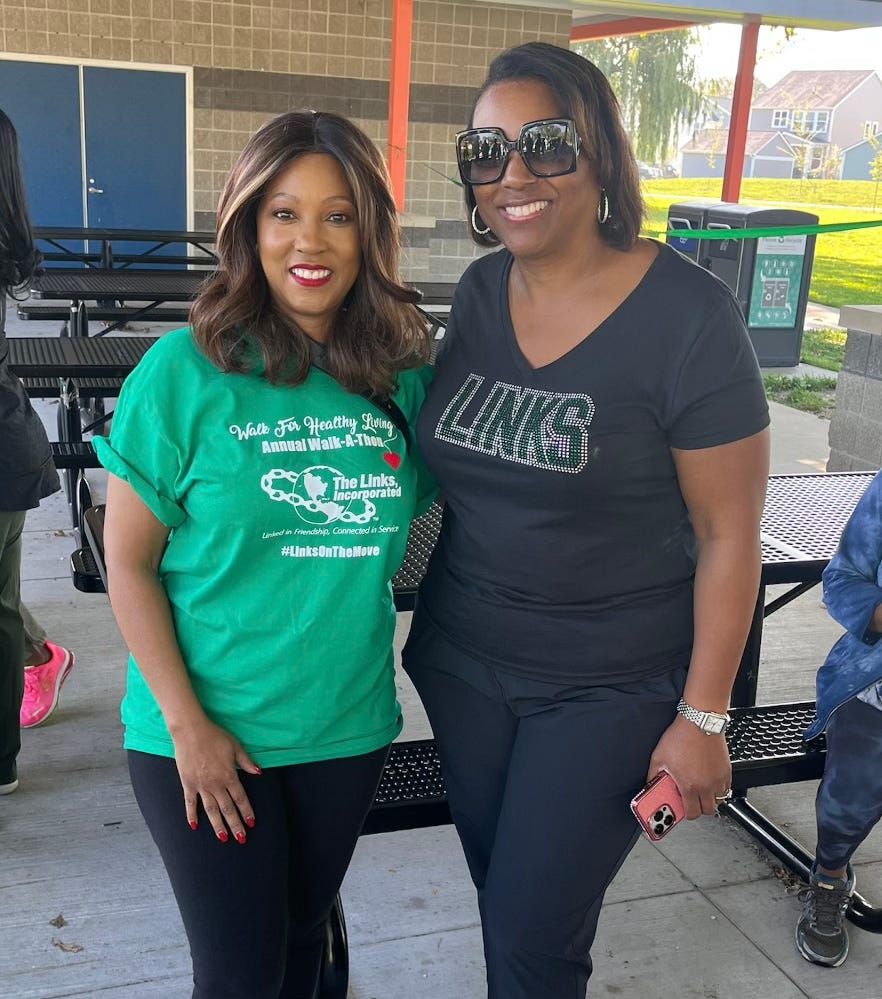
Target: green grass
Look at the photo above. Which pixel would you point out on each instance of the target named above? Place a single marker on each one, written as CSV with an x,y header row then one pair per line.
x,y
848,265
844,193
824,348
809,393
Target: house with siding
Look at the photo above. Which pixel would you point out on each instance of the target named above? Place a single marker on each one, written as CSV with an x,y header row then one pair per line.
x,y
857,160
766,154
801,126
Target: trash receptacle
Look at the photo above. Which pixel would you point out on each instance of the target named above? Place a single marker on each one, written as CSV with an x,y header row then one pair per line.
x,y
685,216
769,275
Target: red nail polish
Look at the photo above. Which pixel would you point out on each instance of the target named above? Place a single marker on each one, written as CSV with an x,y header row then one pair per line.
x,y
223,836
193,823
240,837
249,821
257,769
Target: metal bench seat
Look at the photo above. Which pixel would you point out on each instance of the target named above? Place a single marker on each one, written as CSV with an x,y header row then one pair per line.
x,y
84,571
51,388
411,794
103,313
766,745
74,454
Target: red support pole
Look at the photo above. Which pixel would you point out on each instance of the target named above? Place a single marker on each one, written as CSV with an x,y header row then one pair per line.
x,y
399,97
740,113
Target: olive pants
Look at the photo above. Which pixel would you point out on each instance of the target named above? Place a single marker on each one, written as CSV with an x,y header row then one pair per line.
x,y
12,641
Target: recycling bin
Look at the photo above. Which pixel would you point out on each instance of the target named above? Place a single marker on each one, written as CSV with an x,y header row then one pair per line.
x,y
685,216
769,274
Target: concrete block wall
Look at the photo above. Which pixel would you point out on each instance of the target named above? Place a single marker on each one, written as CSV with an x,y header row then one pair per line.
x,y
254,58
856,426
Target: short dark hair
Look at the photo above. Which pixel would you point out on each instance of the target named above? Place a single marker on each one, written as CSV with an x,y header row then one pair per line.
x,y
379,332
19,256
585,96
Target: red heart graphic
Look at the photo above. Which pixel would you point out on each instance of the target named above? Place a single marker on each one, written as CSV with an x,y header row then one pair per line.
x,y
391,458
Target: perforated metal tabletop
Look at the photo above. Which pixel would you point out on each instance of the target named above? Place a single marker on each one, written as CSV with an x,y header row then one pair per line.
x,y
123,285
803,519
76,357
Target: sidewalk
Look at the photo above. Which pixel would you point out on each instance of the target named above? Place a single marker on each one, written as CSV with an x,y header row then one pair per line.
x,y
816,317
705,915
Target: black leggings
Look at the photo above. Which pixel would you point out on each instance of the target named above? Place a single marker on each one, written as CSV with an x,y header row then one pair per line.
x,y
255,913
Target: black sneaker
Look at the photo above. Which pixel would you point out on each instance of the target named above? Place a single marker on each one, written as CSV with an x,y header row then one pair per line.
x,y
821,935
9,780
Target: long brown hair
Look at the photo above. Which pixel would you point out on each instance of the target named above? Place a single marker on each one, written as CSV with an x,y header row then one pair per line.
x,y
377,332
584,94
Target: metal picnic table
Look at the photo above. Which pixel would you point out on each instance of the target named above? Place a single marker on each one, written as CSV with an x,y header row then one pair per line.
x,y
157,241
146,289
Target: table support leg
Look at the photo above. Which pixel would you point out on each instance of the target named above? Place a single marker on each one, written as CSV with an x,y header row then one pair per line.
x,y
794,856
744,688
335,967
70,430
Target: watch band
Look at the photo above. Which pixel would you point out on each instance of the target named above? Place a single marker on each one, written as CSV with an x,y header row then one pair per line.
x,y
710,722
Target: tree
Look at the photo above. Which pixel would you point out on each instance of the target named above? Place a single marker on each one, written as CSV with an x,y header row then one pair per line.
x,y
724,86
656,81
876,164
832,162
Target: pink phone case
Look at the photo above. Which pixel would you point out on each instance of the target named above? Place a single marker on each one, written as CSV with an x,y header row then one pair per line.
x,y
658,807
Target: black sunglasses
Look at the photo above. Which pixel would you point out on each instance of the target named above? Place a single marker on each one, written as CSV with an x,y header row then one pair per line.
x,y
549,148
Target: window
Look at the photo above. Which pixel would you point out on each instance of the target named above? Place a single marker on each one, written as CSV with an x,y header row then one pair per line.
x,y
810,122
870,129
780,119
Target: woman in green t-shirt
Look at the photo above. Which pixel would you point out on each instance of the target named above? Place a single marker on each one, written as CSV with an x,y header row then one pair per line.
x,y
258,505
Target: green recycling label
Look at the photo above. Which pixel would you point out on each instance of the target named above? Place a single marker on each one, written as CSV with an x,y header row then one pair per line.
x,y
777,273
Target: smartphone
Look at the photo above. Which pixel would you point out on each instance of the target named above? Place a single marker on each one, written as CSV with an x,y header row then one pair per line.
x,y
659,806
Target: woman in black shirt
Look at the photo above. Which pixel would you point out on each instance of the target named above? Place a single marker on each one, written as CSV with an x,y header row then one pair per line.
x,y
597,426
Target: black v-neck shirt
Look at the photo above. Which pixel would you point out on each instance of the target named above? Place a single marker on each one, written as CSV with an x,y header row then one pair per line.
x,y
566,551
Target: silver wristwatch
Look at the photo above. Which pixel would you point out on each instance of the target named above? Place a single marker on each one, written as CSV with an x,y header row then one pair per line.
x,y
710,722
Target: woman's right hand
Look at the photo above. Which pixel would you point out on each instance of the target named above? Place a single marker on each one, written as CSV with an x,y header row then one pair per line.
x,y
206,756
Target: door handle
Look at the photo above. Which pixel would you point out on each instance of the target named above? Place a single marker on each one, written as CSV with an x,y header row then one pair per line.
x,y
96,190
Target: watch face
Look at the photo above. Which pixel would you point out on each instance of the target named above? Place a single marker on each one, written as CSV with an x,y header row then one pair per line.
x,y
714,726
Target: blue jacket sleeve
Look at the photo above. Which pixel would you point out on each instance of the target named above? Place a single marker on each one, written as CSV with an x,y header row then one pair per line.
x,y
851,580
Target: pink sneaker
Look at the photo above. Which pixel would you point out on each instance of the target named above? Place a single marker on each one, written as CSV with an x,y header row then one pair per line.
x,y
43,685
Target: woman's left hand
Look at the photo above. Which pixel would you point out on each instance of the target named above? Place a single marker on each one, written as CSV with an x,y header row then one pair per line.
x,y
699,763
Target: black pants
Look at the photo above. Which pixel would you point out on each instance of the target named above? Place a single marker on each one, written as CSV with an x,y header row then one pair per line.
x,y
539,778
255,913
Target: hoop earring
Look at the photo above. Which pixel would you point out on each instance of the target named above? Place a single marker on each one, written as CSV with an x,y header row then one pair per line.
x,y
603,207
480,232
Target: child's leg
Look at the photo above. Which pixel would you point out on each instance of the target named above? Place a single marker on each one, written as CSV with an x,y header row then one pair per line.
x,y
849,800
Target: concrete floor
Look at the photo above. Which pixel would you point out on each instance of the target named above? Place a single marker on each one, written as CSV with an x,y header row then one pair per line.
x,y
706,914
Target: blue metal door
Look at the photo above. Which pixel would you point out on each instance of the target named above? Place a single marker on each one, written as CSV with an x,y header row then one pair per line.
x,y
135,150
43,103
132,139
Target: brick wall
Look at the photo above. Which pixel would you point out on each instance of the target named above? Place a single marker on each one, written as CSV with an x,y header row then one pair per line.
x,y
856,426
251,60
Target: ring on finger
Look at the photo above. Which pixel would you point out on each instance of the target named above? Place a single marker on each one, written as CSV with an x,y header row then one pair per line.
x,y
725,796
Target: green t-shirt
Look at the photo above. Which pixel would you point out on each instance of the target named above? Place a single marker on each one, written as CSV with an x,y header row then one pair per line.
x,y
289,510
